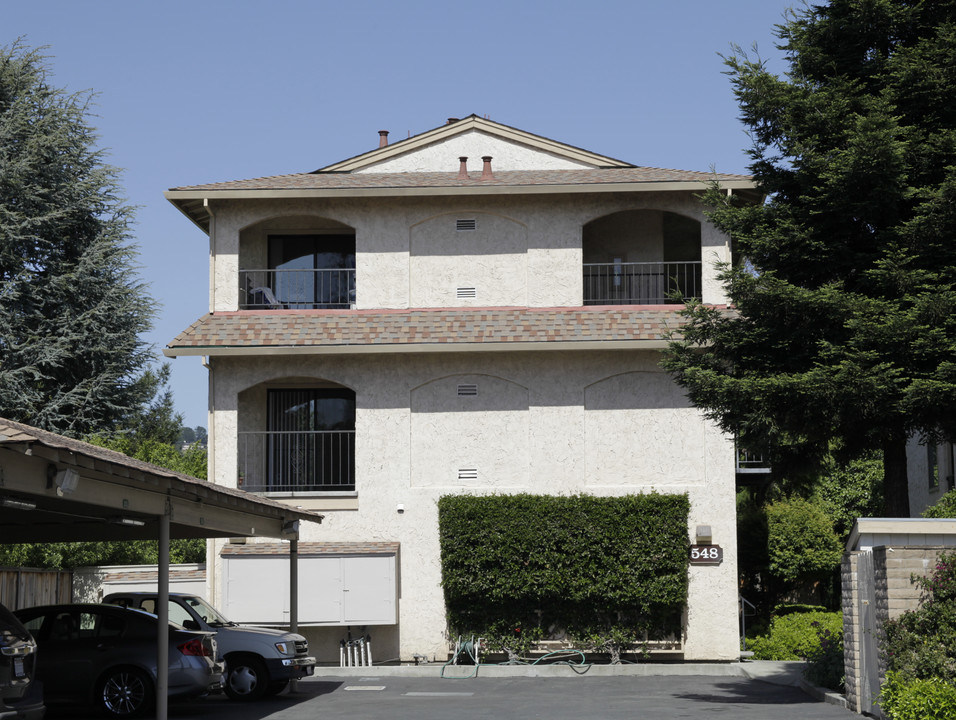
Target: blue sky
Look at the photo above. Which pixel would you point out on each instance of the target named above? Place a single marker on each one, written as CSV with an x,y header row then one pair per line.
x,y
210,90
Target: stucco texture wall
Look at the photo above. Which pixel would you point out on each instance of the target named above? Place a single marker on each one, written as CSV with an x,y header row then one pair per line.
x,y
605,423
410,254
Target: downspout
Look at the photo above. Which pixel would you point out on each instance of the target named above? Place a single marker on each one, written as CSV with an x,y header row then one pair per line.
x,y
212,576
212,253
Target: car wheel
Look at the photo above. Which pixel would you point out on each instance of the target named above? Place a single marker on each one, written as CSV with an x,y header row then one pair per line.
x,y
125,693
276,687
246,678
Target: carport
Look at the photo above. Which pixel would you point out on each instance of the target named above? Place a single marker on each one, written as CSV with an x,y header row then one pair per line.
x,y
56,489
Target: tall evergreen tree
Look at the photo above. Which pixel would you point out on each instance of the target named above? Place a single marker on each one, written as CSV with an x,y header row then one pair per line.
x,y
71,307
844,320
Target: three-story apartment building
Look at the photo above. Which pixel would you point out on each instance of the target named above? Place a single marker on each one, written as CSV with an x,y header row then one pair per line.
x,y
475,309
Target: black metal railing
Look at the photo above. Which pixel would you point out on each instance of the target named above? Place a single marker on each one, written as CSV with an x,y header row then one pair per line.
x,y
292,461
331,288
641,283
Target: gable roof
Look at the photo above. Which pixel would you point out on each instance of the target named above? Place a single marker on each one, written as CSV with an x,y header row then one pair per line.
x,y
544,166
473,123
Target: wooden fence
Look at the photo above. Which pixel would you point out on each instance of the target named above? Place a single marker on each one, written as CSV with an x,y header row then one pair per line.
x,y
26,587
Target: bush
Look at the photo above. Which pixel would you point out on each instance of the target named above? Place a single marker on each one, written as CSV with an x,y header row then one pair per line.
x,y
921,643
944,508
802,543
796,636
918,699
519,568
825,666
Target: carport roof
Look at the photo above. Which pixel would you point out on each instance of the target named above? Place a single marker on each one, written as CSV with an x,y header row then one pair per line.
x,y
117,497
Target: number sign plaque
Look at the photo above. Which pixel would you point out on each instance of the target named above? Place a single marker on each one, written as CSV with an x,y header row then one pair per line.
x,y
706,554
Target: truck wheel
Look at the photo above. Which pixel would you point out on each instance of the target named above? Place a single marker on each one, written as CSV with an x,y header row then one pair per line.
x,y
246,678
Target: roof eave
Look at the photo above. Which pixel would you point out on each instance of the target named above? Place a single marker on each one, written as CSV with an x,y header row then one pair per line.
x,y
408,349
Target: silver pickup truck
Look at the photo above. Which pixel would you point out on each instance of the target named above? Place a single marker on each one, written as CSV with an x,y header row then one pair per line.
x,y
259,661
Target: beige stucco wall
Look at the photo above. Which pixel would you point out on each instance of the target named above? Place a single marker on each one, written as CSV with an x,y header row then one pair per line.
x,y
527,250
606,423
442,156
921,494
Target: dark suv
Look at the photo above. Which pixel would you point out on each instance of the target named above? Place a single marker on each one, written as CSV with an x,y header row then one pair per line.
x,y
21,696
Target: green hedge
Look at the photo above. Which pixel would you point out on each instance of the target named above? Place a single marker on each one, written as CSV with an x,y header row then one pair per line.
x,y
796,636
918,699
518,568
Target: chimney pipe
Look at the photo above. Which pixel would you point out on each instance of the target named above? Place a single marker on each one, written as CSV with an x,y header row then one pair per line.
x,y
463,168
382,138
486,168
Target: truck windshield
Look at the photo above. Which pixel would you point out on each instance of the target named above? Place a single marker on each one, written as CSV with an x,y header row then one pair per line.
x,y
207,612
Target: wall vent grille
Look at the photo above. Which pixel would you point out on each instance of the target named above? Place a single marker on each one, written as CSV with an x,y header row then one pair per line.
x,y
467,390
466,225
467,473
467,292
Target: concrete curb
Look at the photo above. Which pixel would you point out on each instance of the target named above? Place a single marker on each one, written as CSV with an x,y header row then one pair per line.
x,y
543,670
781,673
824,695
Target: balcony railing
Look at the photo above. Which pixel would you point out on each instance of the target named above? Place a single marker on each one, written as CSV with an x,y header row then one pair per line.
x,y
297,289
751,462
285,461
640,283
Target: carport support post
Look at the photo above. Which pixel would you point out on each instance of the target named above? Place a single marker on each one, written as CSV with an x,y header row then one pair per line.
x,y
162,613
294,595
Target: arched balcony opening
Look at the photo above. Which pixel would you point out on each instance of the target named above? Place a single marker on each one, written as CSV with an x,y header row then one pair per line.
x,y
297,437
641,257
297,263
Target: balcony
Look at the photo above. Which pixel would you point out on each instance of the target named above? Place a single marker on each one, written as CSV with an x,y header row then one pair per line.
x,y
641,283
308,289
751,462
293,461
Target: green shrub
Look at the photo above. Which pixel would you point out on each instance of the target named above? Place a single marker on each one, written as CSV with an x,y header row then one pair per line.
x,y
921,643
790,608
825,666
796,636
801,540
917,699
944,508
518,568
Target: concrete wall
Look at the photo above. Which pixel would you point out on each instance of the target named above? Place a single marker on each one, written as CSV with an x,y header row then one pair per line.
x,y
877,586
930,469
409,254
606,423
442,156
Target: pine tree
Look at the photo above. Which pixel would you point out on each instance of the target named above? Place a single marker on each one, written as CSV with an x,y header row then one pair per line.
x,y
71,307
843,327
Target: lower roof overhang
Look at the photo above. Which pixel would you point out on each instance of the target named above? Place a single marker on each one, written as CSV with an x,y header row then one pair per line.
x,y
411,349
57,489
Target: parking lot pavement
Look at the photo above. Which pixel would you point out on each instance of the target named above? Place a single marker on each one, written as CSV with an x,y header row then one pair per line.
x,y
568,697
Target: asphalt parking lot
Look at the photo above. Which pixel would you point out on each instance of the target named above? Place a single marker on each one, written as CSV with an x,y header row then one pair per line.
x,y
565,695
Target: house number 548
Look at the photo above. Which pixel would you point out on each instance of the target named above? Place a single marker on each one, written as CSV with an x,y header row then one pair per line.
x,y
706,554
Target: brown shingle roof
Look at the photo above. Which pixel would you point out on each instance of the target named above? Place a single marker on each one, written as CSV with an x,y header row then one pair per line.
x,y
309,549
415,328
513,178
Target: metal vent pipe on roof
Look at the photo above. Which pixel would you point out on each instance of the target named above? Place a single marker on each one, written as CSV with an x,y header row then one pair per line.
x,y
463,168
382,138
486,168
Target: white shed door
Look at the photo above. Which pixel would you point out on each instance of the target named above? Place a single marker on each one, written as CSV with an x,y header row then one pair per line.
x,y
333,590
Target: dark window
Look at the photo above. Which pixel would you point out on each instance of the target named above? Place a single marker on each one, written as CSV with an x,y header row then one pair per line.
x,y
310,271
311,436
